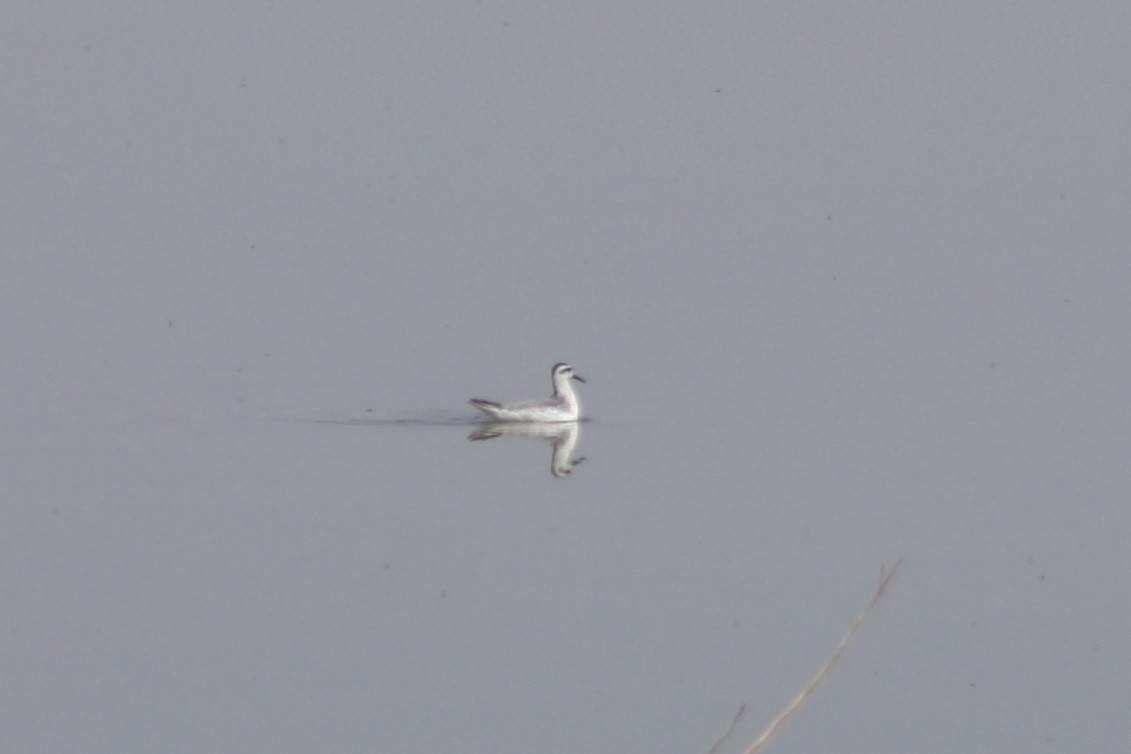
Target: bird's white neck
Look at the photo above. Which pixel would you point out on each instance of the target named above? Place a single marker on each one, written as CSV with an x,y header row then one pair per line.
x,y
564,389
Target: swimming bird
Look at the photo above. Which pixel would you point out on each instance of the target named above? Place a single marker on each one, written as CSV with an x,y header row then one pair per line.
x,y
562,406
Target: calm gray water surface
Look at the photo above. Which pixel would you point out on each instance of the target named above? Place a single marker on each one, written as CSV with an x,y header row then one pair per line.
x,y
847,286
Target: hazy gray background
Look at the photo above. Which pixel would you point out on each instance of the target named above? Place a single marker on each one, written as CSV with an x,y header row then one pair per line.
x,y
848,281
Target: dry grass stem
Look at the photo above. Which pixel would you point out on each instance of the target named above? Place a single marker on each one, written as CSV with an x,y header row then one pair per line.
x,y
885,579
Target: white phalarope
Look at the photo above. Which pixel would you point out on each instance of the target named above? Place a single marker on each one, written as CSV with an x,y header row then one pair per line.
x,y
562,406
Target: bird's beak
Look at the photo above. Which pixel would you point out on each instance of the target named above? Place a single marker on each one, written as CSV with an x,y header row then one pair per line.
x,y
579,378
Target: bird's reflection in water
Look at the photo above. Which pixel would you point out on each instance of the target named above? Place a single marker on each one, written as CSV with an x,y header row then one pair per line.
x,y
563,436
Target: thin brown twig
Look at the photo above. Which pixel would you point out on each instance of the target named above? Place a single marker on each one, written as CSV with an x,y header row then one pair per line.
x,y
885,579
733,724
